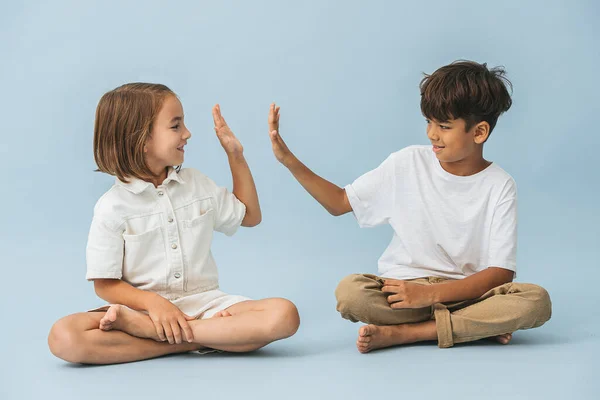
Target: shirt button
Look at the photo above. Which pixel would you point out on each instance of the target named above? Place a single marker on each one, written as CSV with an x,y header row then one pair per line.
x,y
174,246
177,275
160,193
170,219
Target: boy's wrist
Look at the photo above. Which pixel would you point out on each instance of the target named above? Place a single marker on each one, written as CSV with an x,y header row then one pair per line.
x,y
291,162
435,295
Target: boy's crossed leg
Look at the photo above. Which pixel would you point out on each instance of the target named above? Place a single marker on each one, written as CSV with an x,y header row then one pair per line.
x,y
496,314
124,335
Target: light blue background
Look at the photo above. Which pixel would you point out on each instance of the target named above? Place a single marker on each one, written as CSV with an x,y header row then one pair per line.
x,y
346,75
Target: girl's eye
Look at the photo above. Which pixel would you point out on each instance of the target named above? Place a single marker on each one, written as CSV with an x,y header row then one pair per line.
x,y
175,127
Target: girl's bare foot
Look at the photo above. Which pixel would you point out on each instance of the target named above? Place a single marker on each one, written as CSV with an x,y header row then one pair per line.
x,y
223,313
125,319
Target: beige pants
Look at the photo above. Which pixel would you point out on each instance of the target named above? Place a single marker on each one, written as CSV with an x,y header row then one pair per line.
x,y
504,309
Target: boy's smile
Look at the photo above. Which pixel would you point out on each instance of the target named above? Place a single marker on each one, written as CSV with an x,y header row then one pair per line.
x,y
459,151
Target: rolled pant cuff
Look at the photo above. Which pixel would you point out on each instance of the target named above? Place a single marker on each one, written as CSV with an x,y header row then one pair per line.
x,y
443,325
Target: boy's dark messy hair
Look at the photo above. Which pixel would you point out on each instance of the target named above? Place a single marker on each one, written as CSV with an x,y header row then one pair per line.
x,y
467,90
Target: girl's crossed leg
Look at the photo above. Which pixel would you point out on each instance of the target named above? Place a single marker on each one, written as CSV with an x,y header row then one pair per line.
x,y
129,335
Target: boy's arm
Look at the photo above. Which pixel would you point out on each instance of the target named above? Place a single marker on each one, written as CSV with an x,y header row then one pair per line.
x,y
331,196
243,183
405,294
473,286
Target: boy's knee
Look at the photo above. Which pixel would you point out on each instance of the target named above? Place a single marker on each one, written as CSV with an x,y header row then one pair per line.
x,y
349,295
540,308
544,304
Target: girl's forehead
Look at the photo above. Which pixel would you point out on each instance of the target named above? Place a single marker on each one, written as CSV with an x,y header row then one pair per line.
x,y
171,107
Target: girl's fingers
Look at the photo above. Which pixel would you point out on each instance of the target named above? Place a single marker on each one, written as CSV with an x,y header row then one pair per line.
x,y
168,332
187,330
159,331
176,332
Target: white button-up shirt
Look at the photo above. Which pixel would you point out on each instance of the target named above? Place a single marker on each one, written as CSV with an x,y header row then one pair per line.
x,y
158,238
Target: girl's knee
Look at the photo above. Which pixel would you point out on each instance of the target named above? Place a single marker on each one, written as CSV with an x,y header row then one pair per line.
x,y
284,319
65,342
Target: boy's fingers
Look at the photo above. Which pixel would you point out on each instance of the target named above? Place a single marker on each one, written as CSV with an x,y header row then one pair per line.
x,y
215,115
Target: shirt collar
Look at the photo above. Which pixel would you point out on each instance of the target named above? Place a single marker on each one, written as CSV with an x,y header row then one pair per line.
x,y
137,186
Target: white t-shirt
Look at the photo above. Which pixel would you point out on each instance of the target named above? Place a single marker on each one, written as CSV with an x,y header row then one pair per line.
x,y
444,225
159,238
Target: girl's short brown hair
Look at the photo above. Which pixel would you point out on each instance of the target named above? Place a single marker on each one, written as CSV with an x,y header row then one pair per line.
x,y
467,90
124,119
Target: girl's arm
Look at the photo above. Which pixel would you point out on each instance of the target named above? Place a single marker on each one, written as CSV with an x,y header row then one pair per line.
x,y
243,183
116,291
170,323
245,190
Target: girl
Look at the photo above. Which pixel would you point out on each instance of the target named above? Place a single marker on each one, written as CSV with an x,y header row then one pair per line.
x,y
148,250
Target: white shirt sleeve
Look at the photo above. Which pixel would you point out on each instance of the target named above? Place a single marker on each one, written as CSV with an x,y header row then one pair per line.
x,y
104,251
371,196
230,211
503,232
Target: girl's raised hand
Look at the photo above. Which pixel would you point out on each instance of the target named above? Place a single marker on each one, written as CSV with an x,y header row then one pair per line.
x,y
230,143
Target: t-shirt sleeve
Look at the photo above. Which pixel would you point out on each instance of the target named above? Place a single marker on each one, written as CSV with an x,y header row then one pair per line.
x,y
104,251
371,196
503,232
229,210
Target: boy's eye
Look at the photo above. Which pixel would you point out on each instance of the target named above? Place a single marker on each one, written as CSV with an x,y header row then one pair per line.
x,y
444,127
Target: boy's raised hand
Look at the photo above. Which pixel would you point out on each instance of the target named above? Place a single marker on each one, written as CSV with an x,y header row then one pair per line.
x,y
230,143
280,149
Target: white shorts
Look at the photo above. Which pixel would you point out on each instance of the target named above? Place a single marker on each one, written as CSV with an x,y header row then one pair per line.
x,y
201,305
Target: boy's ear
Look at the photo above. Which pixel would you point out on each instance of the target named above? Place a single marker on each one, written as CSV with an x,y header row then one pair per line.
x,y
481,132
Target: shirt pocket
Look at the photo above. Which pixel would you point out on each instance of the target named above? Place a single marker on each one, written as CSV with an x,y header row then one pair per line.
x,y
200,269
144,259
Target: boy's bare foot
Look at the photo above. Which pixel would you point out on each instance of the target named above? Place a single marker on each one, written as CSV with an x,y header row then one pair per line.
x,y
371,337
125,319
502,339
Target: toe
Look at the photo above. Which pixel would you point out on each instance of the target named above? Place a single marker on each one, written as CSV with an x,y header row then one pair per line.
x,y
365,330
364,339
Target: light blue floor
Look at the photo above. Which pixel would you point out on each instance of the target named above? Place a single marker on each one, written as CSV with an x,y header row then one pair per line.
x,y
558,360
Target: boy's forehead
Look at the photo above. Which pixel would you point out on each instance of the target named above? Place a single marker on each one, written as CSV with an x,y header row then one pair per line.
x,y
448,121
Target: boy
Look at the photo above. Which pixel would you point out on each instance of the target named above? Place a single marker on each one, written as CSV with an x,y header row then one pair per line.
x,y
447,273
